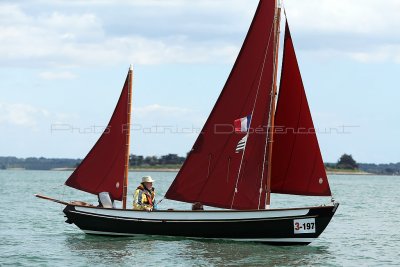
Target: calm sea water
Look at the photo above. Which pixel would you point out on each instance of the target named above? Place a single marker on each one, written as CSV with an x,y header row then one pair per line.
x,y
364,232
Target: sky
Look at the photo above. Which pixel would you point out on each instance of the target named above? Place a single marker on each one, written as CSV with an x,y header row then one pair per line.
x,y
63,64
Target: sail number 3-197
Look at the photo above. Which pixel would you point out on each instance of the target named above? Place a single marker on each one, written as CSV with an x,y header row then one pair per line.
x,y
304,226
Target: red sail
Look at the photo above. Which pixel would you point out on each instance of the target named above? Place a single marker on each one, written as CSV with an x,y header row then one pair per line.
x,y
297,166
211,171
102,170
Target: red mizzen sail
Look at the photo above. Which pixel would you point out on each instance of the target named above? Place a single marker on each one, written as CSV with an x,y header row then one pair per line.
x,y
103,168
211,171
297,166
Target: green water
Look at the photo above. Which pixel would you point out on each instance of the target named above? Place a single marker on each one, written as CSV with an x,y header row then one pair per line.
x,y
364,231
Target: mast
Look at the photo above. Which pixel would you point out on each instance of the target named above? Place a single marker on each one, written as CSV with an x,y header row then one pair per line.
x,y
127,129
271,129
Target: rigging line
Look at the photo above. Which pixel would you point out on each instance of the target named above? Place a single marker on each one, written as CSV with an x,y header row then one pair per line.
x,y
276,26
160,201
252,112
284,9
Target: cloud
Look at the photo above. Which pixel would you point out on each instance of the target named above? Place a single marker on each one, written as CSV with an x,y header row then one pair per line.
x,y
383,53
341,16
353,30
16,116
63,33
169,118
21,114
310,15
64,75
159,111
43,39
80,39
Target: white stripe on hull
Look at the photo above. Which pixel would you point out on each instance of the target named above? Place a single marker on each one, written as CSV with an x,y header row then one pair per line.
x,y
276,240
193,215
204,220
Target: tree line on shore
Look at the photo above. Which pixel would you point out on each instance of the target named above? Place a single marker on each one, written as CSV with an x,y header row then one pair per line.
x,y
41,163
166,160
346,162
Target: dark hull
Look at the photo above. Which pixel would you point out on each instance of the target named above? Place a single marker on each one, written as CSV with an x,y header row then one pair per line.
x,y
241,226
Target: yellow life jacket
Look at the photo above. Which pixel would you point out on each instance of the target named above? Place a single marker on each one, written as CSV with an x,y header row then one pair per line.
x,y
143,198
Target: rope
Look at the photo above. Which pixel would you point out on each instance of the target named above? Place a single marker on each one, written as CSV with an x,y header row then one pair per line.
x,y
284,9
160,201
252,112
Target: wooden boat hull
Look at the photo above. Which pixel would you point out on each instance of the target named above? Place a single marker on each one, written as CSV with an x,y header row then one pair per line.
x,y
278,227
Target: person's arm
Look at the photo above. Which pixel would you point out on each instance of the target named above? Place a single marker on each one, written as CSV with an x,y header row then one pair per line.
x,y
138,200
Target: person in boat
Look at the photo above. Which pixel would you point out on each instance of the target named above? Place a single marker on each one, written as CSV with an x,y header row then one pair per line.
x,y
144,196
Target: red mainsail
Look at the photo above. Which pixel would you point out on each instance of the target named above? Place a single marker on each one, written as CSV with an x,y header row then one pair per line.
x,y
214,174
297,166
102,170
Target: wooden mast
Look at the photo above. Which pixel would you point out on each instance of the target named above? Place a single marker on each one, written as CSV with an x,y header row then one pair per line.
x,y
127,129
271,128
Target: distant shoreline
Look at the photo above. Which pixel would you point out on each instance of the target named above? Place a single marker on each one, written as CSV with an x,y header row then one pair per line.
x,y
159,169
154,169
173,163
130,169
343,172
327,172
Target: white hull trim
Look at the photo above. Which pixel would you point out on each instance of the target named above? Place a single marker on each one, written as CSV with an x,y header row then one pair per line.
x,y
277,240
188,221
193,215
283,240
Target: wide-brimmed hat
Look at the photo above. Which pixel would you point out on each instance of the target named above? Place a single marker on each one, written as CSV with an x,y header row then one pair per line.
x,y
147,179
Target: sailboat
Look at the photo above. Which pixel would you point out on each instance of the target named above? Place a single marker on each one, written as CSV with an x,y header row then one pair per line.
x,y
254,143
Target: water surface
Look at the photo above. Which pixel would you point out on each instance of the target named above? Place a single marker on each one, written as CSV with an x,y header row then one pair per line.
x,y
364,231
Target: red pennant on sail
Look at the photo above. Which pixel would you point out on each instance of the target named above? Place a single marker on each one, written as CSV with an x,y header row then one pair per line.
x,y
214,173
297,166
102,170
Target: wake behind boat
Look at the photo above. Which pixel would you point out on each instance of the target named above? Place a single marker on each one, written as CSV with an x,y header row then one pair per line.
x,y
247,150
